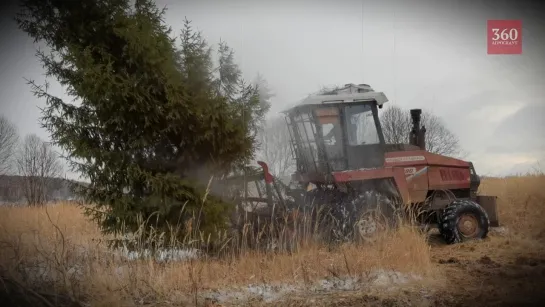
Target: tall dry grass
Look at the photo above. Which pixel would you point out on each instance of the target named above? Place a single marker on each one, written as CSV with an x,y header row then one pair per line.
x,y
55,250
55,253
521,203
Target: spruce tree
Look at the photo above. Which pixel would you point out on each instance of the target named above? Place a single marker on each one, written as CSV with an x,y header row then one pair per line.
x,y
149,126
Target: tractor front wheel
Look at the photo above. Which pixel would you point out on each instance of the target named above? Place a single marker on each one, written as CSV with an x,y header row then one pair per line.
x,y
463,220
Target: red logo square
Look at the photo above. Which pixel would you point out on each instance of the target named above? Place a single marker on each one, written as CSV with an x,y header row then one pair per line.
x,y
504,37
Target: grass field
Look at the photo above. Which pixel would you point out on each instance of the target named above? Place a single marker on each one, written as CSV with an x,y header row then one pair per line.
x,y
54,256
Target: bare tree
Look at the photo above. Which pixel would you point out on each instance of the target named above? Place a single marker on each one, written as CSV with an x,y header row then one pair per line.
x,y
8,144
329,89
39,166
396,126
275,147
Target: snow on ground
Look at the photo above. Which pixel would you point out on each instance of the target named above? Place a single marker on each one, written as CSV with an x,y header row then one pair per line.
x,y
501,231
269,292
276,292
161,255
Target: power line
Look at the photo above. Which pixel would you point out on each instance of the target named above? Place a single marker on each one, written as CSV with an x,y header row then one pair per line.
x,y
362,47
394,55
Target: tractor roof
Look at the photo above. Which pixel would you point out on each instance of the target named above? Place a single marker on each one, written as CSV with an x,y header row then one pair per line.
x,y
347,94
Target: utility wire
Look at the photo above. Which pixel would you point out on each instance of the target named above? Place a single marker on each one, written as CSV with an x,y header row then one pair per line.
x,y
394,56
362,47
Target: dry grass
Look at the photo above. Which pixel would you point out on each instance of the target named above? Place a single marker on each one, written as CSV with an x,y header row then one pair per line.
x,y
67,250
56,250
521,203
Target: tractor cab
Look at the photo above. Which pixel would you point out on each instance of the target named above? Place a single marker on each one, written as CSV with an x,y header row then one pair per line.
x,y
336,131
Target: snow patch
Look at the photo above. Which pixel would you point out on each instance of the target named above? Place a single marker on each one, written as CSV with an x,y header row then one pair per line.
x,y
161,255
275,292
501,231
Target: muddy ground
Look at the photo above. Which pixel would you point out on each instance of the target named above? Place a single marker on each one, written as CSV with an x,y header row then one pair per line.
x,y
491,275
493,272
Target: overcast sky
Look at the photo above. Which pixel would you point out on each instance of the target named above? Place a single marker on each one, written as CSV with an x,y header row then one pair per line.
x,y
426,54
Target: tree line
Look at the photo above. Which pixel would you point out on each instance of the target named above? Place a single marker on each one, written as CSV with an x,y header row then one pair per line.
x,y
33,159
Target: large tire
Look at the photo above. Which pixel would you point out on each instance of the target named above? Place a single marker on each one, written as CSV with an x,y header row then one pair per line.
x,y
463,220
346,218
366,216
375,213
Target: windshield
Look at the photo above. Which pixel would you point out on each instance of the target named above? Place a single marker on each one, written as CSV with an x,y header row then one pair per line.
x,y
360,125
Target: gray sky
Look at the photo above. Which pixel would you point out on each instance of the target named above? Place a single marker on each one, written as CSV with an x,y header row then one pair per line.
x,y
427,54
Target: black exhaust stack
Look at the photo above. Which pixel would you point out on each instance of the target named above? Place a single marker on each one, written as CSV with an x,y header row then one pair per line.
x,y
417,137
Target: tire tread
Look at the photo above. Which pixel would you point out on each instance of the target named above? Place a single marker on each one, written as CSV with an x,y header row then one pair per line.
x,y
449,220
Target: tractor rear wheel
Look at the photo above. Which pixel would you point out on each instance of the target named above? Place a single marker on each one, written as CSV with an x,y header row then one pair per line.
x,y
463,220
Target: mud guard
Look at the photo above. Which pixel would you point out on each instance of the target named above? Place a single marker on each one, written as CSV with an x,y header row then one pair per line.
x,y
489,204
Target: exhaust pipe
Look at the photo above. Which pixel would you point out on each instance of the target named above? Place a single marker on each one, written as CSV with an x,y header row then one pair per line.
x,y
417,136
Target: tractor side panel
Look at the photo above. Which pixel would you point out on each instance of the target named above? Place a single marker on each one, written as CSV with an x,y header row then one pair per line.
x,y
445,161
397,173
417,182
448,178
405,158
414,166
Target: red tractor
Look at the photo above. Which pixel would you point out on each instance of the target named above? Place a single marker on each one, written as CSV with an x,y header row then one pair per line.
x,y
339,147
